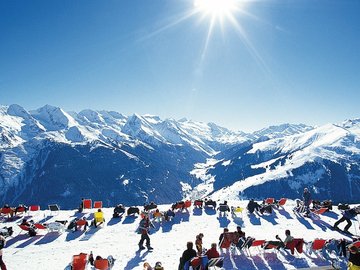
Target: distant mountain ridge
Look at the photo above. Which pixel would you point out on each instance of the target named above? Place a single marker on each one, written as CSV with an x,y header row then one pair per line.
x,y
50,155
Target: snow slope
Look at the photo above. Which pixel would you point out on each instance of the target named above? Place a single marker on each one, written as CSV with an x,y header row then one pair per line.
x,y
118,238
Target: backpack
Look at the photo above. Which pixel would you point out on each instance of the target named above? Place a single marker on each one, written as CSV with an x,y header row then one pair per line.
x,y
32,232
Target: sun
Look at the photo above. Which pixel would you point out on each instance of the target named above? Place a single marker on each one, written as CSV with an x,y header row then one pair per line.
x,y
216,8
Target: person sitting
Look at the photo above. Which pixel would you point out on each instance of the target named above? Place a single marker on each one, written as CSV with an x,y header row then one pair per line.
x,y
253,206
212,252
288,238
27,223
157,215
354,258
119,210
169,214
158,266
223,207
98,218
21,208
187,255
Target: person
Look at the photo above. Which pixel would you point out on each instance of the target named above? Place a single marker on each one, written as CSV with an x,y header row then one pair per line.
x,y
223,207
221,237
169,214
354,258
212,252
187,255
81,206
240,236
288,238
198,243
307,201
347,216
158,266
252,206
157,215
147,266
119,210
2,245
98,218
144,228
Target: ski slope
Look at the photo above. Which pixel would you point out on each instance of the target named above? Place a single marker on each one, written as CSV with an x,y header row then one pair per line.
x,y
119,239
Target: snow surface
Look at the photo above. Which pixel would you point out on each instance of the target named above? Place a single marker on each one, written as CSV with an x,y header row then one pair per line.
x,y
119,239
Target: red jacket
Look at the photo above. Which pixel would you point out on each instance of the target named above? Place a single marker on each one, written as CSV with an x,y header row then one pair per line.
x,y
212,253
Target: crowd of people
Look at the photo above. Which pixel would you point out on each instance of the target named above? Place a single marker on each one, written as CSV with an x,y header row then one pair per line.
x,y
195,253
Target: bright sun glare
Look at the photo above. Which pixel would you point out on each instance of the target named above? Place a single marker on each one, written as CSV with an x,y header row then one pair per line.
x,y
216,8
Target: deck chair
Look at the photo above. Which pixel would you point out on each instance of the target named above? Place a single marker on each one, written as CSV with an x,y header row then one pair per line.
x,y
257,244
87,204
40,226
98,204
20,210
7,212
296,244
79,261
269,201
34,208
101,264
316,246
320,211
282,202
54,208
187,203
24,228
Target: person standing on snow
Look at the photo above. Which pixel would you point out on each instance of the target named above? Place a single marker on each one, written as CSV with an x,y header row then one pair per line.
x,y
347,216
2,245
144,228
307,200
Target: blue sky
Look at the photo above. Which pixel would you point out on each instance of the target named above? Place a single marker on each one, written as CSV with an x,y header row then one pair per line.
x,y
294,61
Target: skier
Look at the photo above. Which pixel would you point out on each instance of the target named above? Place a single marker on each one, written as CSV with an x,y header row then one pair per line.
x,y
2,245
144,228
347,216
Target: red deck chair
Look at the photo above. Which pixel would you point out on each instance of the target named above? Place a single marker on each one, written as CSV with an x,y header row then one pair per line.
x,y
257,244
81,223
187,203
40,226
320,211
356,244
34,208
102,264
296,244
79,261
6,211
318,244
98,204
269,200
24,228
87,203
20,210
198,203
282,202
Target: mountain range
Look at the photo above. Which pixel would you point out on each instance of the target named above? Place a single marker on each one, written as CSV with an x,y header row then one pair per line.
x,y
49,155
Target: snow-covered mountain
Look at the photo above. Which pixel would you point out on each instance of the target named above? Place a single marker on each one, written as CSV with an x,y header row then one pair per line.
x,y
102,154
112,157
325,158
